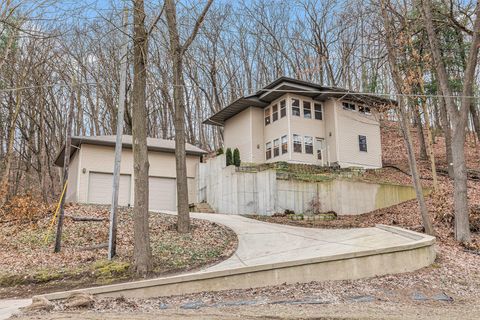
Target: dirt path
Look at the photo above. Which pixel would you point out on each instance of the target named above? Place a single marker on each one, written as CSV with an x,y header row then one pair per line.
x,y
383,310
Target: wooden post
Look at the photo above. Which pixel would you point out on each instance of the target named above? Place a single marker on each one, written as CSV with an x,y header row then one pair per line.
x,y
112,241
66,162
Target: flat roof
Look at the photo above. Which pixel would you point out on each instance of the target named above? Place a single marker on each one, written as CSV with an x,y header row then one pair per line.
x,y
282,85
153,144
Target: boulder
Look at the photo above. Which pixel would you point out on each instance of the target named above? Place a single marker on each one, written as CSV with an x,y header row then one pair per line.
x,y
79,300
39,304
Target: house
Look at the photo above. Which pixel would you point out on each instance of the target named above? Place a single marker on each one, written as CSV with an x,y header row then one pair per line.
x,y
302,122
91,171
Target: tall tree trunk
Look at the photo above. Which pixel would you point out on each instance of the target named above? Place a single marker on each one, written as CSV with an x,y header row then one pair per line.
x,y
458,116
397,79
421,136
142,253
9,152
447,132
177,52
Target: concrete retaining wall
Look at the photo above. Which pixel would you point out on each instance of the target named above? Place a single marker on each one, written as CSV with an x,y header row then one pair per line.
x,y
368,263
263,193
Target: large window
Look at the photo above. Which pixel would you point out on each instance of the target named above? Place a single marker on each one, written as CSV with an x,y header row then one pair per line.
x,y
296,107
284,144
268,150
349,106
276,147
362,143
267,116
307,110
274,112
318,111
283,108
308,145
297,143
363,109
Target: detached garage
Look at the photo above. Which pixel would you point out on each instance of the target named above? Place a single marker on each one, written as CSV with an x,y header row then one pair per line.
x,y
91,171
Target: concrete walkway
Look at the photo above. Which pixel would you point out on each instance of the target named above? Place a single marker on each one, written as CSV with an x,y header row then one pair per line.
x,y
262,244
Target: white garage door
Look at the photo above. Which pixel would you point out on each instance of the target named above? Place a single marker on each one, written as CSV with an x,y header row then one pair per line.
x,y
100,188
162,193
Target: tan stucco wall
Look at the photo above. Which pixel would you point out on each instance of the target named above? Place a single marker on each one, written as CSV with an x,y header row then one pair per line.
x,y
237,133
258,145
340,129
101,159
73,172
350,125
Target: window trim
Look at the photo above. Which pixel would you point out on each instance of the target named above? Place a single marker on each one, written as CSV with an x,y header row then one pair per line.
x,y
268,150
362,146
319,142
365,110
276,149
309,108
283,110
266,115
274,112
284,142
319,112
299,108
310,144
348,106
296,143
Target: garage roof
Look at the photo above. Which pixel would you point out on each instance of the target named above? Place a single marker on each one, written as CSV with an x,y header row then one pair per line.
x,y
153,144
282,85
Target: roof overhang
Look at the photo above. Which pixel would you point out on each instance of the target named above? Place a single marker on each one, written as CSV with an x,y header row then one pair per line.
x,y
78,141
283,85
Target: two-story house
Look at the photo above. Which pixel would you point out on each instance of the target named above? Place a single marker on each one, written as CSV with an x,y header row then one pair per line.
x,y
302,122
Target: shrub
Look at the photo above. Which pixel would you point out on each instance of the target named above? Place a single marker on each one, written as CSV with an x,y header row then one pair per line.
x,y
229,157
219,151
236,157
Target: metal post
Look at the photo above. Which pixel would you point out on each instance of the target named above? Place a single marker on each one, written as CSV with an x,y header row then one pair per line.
x,y
112,241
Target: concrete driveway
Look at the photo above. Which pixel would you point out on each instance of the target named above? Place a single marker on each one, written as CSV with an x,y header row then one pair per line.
x,y
261,244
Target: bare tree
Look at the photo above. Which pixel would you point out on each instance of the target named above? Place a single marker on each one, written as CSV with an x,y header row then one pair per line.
x,y
142,253
458,115
177,52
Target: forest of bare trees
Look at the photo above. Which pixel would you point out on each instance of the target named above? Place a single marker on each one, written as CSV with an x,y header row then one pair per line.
x,y
422,53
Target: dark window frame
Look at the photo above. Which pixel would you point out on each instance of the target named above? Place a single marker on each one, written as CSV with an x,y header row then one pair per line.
x,y
268,150
297,144
362,143
308,146
349,106
284,144
364,110
283,108
276,148
296,109
308,106
318,111
266,115
274,112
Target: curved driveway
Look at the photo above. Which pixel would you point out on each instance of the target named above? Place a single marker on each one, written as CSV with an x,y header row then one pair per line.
x,y
261,243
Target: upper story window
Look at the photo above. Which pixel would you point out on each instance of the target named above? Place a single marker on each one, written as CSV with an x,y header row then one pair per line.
x,y
362,143
283,108
308,145
307,110
296,107
267,116
274,112
276,147
348,106
364,109
284,144
268,150
297,143
318,111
